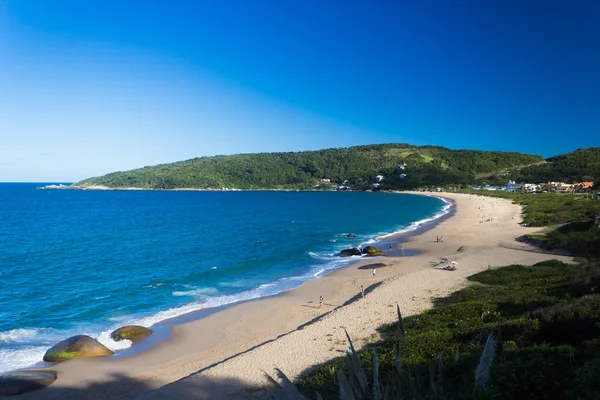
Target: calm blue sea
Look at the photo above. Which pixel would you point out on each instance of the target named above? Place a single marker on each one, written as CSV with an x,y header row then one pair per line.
x,y
86,262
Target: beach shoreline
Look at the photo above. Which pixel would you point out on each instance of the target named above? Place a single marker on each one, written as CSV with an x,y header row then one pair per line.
x,y
238,342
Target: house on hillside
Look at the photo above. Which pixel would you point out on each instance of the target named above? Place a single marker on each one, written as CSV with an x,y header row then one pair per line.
x,y
532,187
402,166
326,180
553,186
584,186
566,188
379,178
512,186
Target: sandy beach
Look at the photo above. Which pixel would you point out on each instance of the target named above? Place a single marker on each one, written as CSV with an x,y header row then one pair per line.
x,y
224,355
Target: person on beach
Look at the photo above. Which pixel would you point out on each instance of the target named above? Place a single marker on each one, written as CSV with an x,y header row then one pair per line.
x,y
390,247
374,272
362,291
320,301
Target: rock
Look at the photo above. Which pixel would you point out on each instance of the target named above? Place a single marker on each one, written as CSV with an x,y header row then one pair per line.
x,y
373,251
134,333
24,381
76,347
461,249
351,235
349,252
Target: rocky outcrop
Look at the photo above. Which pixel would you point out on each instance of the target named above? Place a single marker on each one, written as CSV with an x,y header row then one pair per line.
x,y
134,333
25,380
350,252
351,235
373,251
76,347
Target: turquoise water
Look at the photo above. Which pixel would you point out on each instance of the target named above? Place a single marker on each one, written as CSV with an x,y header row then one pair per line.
x,y
86,262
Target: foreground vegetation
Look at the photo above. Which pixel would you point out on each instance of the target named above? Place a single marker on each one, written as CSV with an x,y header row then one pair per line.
x,y
546,323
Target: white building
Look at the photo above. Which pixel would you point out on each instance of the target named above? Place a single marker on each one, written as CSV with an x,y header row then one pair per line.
x,y
532,187
512,186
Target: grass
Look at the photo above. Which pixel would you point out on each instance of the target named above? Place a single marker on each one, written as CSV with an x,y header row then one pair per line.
x,y
544,319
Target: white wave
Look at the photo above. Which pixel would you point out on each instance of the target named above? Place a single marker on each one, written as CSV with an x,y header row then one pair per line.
x,y
446,209
26,335
11,359
323,256
195,292
106,340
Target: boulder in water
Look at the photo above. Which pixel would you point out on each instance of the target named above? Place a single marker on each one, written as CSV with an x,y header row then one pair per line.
x,y
350,252
351,235
134,333
76,347
373,251
25,380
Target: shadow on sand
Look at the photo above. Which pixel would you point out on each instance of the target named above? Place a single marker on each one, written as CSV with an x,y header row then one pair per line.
x,y
120,387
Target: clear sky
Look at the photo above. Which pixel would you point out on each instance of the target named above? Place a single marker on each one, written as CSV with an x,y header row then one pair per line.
x,y
90,87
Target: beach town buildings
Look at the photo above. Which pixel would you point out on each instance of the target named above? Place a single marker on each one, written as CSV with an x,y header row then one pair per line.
x,y
512,186
532,187
379,178
584,186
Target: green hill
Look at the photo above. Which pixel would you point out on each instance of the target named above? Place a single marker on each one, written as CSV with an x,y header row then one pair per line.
x,y
359,165
577,166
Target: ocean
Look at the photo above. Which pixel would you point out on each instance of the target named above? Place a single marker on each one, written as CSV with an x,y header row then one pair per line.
x,y
87,262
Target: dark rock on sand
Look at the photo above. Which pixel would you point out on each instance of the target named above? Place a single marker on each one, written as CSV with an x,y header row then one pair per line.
x,y
371,266
134,333
76,347
349,252
373,251
351,235
461,249
24,381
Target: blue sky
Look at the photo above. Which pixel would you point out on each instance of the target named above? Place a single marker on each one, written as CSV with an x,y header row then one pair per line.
x,y
90,87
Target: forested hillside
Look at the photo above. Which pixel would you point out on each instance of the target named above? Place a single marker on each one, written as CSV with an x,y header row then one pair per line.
x,y
577,166
402,165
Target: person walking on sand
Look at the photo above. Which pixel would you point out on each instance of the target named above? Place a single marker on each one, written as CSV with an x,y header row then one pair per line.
x,y
362,291
374,272
320,301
